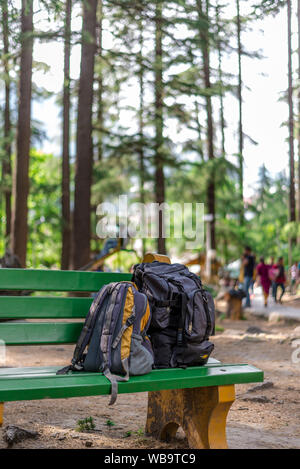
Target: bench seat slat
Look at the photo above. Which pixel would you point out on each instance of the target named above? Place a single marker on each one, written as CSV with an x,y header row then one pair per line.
x,y
57,280
34,371
20,307
48,385
40,333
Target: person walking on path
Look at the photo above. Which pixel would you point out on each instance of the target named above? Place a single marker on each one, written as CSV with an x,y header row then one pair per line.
x,y
294,277
272,275
280,279
248,261
263,278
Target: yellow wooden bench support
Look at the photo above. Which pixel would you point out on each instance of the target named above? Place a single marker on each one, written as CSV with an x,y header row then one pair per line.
x,y
150,257
201,412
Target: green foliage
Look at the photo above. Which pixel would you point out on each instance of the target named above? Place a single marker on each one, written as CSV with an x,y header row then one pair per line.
x,y
123,261
222,317
266,228
211,290
85,425
128,62
110,423
44,217
265,7
140,432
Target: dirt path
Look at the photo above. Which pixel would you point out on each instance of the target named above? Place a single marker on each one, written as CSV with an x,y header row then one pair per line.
x,y
289,309
267,418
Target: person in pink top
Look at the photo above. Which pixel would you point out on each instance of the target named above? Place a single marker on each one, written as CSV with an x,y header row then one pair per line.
x,y
263,277
273,272
280,279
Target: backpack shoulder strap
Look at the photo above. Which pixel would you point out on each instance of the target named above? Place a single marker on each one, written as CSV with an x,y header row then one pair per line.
x,y
199,283
86,332
105,344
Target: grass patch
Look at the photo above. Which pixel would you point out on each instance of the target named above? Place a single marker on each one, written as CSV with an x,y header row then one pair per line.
x,y
222,317
110,423
139,432
85,425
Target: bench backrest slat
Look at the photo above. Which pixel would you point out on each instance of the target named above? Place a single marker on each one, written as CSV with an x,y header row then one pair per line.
x,y
45,307
57,280
40,333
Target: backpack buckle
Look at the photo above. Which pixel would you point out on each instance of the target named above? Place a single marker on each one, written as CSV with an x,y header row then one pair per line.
x,y
179,336
130,320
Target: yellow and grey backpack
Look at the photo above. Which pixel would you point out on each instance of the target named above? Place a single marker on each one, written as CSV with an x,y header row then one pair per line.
x,y
114,340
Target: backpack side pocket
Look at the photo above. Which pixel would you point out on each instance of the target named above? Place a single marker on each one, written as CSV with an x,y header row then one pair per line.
x,y
140,360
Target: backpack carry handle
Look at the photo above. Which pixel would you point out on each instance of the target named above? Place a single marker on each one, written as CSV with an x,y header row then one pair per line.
x,y
151,257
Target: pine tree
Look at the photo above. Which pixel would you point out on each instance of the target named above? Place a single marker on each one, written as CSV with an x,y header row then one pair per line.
x,y
264,184
6,163
298,17
65,199
203,14
220,78
21,181
100,104
291,115
159,124
141,112
292,200
240,99
84,143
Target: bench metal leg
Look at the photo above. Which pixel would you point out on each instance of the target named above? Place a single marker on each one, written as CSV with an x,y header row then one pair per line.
x,y
201,412
1,413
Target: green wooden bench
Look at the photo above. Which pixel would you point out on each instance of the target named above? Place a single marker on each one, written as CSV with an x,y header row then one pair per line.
x,y
198,398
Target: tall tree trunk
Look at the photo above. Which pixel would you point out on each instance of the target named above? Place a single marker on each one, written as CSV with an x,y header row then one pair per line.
x,y
141,124
99,106
65,200
292,200
240,129
159,158
100,120
220,76
6,164
298,14
203,32
84,143
21,181
199,130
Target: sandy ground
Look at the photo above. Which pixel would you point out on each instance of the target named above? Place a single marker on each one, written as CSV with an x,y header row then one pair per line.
x,y
265,418
292,300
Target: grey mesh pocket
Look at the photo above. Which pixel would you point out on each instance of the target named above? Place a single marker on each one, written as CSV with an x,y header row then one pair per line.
x,y
140,360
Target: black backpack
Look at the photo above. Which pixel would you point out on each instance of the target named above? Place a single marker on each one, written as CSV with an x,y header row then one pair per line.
x,y
182,313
